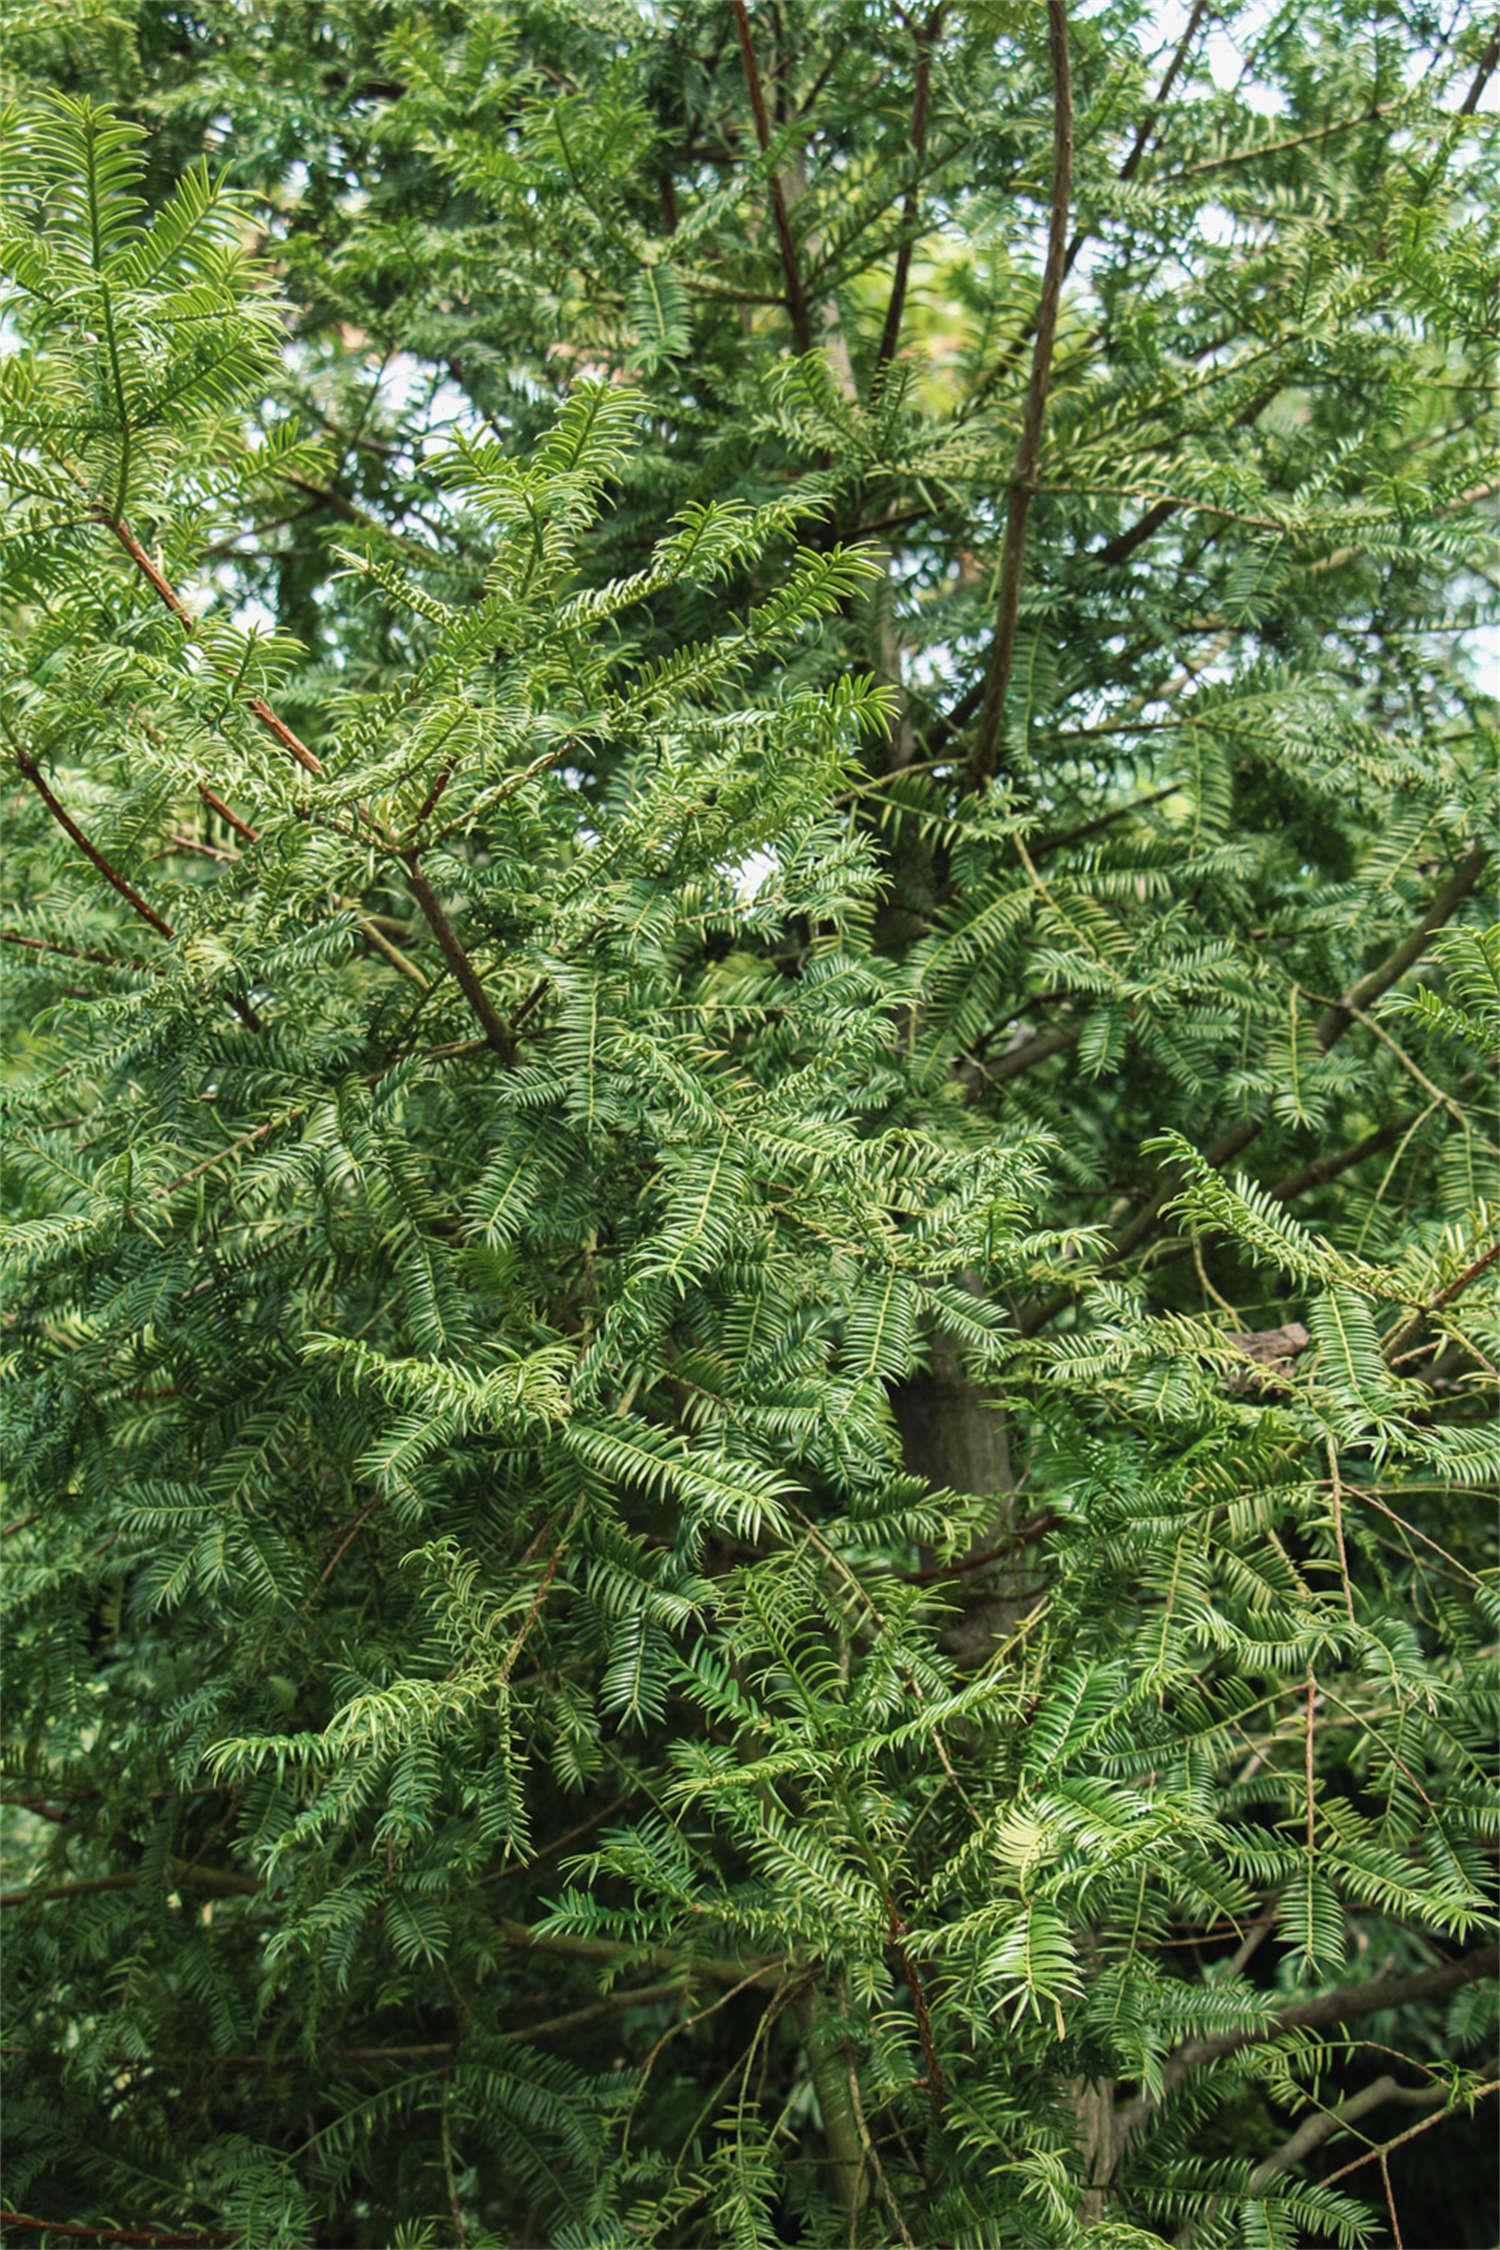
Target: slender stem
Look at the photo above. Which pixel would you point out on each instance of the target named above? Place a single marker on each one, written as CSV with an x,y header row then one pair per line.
x,y
1277,148
1124,543
75,952
925,38
91,852
497,1032
1018,507
171,600
111,874
1331,1028
796,293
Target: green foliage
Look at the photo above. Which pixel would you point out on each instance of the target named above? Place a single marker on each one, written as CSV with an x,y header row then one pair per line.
x,y
746,1450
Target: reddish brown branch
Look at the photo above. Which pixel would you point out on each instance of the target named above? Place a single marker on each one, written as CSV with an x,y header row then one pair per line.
x,y
146,2239
796,294
1334,1022
91,852
184,616
937,2083
74,952
496,1030
1036,1527
225,812
1471,1273
1018,508
112,875
925,38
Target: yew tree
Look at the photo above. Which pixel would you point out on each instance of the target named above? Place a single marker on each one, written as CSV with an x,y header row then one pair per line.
x,y
751,1283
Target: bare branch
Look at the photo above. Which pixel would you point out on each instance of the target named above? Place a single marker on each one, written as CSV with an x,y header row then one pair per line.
x,y
925,37
496,1030
1331,1028
796,294
1322,2011
1013,551
1314,2130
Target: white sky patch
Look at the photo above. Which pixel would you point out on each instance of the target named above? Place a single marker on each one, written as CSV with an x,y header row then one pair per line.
x,y
751,872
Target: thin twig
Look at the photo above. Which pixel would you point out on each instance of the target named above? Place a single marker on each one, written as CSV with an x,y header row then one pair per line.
x,y
925,38
1336,1487
1142,140
1445,1296
516,1646
1371,2155
497,1032
112,875
796,294
1018,506
165,593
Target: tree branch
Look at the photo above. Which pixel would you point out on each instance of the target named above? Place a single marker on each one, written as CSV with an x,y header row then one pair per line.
x,y
1408,1328
925,37
112,875
91,852
1316,2129
1371,2155
496,1030
712,1967
184,616
1322,2011
147,2240
1142,139
1331,1028
1481,78
1124,543
222,1879
796,294
1319,1170
1036,1527
1013,552
1337,1019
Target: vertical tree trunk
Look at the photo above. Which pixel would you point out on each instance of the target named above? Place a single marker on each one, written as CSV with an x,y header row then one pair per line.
x,y
1094,2107
828,2061
953,1435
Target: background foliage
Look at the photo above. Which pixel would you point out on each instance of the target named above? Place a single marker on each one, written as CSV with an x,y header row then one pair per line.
x,y
752,1257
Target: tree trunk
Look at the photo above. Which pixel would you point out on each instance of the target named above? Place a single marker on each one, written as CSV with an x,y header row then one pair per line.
x,y
828,2061
956,1437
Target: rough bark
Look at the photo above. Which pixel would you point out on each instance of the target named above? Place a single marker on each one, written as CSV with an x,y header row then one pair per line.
x,y
956,1437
